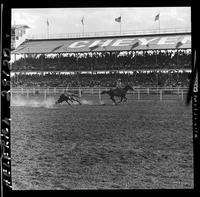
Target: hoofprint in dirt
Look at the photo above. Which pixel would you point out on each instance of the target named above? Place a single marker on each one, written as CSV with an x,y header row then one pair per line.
x,y
140,144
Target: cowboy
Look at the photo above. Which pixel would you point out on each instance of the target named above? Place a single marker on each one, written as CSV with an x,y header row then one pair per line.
x,y
119,84
70,94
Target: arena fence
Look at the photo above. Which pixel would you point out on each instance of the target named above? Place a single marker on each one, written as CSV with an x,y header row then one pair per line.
x,y
139,93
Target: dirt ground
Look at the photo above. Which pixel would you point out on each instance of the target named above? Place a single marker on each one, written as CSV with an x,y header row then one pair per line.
x,y
135,145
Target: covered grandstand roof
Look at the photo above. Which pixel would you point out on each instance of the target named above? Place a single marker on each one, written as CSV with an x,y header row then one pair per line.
x,y
118,43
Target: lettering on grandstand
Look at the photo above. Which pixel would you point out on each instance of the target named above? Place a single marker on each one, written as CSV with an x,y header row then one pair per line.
x,y
125,42
106,44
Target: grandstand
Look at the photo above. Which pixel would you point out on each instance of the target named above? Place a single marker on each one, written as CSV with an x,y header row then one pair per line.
x,y
148,60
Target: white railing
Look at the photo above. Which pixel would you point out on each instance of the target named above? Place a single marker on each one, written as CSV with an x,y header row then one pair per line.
x,y
138,94
110,33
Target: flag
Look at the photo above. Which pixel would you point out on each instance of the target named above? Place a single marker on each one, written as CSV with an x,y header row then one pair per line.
x,y
47,22
82,20
157,17
179,44
118,19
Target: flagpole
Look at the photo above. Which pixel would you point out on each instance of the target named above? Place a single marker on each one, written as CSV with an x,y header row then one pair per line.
x,y
120,27
47,29
83,25
120,23
159,23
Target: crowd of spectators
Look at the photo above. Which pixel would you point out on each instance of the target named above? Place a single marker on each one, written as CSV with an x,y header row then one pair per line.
x,y
147,79
151,61
163,59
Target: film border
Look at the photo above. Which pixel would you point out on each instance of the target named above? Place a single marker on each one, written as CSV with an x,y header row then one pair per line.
x,y
5,114
6,181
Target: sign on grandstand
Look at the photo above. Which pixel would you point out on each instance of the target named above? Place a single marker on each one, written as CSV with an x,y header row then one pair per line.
x,y
153,42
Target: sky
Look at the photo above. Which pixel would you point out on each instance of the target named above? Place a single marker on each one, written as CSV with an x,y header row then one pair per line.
x,y
68,20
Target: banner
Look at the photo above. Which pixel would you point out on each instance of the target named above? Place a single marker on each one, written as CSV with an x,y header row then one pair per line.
x,y
126,43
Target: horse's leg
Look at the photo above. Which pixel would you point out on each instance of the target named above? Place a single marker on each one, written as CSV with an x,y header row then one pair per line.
x,y
125,99
121,99
68,102
112,98
76,100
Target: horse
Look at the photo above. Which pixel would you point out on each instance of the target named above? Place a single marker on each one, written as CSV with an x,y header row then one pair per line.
x,y
118,93
67,98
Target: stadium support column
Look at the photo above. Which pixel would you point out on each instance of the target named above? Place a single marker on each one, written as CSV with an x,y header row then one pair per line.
x,y
92,67
78,69
25,62
42,60
93,64
157,78
59,64
156,58
177,59
135,59
116,64
144,57
156,68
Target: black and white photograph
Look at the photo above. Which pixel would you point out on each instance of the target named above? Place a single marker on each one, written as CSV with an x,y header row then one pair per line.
x,y
98,98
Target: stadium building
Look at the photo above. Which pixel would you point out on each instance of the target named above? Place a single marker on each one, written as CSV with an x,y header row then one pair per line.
x,y
95,56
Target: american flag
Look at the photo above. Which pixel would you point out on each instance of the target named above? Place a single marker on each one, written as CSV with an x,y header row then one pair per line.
x,y
118,19
82,20
157,17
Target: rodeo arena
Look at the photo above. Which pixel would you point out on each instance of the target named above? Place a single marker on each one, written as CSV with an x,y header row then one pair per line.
x,y
74,128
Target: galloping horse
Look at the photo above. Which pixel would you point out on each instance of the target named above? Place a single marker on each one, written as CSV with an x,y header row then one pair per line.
x,y
67,98
118,93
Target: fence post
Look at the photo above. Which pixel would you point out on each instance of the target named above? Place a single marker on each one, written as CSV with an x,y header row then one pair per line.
x,y
133,92
138,94
22,91
182,94
27,93
54,90
79,92
99,95
160,94
45,94
148,91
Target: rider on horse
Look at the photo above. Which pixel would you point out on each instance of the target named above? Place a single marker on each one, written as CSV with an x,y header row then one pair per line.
x,y
119,84
69,94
